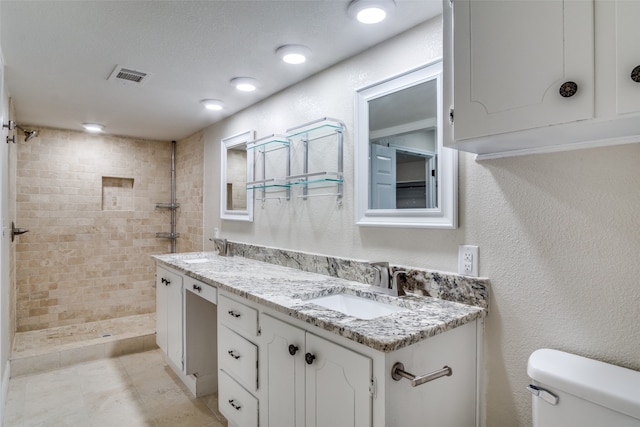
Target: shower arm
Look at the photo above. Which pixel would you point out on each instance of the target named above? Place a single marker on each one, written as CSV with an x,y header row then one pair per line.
x,y
28,134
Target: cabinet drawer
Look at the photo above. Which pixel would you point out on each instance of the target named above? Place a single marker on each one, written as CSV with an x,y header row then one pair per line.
x,y
238,357
238,316
208,292
236,403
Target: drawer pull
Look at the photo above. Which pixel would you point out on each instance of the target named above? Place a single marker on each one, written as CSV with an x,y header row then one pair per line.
x,y
233,354
635,74
309,358
166,282
568,89
197,288
293,350
234,405
233,313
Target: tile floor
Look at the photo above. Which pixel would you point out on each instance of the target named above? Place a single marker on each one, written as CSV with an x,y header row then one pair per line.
x,y
125,391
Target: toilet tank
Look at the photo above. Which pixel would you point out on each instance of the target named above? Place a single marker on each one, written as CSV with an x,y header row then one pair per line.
x,y
571,390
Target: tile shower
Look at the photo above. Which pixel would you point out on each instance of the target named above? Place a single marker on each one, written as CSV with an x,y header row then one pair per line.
x,y
89,203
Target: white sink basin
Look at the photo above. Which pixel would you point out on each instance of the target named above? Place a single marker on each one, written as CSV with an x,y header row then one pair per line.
x,y
196,261
355,306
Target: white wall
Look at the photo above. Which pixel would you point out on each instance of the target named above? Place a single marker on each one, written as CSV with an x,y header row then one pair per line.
x,y
559,234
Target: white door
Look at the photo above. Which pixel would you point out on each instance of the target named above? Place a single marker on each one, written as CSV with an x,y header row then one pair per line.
x,y
5,241
511,59
285,369
174,320
337,385
162,292
383,177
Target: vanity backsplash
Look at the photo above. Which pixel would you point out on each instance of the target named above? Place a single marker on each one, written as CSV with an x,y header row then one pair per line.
x,y
447,286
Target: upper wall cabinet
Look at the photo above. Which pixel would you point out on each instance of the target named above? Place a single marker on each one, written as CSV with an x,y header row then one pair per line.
x,y
521,76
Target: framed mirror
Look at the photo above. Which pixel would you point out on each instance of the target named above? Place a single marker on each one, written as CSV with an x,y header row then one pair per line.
x,y
236,169
404,177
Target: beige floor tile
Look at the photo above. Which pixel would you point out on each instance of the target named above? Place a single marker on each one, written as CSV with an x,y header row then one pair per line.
x,y
136,390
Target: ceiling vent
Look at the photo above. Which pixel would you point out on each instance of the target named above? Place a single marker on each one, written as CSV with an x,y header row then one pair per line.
x,y
128,76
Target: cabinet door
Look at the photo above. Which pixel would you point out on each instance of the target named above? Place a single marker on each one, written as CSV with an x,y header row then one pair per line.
x,y
174,320
283,351
510,59
627,56
169,314
337,385
161,308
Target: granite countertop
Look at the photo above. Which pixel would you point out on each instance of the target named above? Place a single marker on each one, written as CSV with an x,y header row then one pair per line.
x,y
287,290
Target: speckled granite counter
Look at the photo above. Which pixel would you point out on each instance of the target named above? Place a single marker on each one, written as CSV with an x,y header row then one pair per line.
x,y
287,290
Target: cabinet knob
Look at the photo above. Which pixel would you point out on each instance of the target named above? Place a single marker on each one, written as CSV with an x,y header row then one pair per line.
x,y
309,358
197,288
568,89
635,74
293,350
234,405
233,313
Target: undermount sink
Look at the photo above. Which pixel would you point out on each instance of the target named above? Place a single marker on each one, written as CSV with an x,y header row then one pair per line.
x,y
355,306
196,260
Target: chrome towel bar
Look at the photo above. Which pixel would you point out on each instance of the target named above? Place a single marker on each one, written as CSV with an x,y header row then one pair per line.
x,y
398,372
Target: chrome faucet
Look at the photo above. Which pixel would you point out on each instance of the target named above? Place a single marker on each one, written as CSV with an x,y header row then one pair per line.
x,y
387,279
222,246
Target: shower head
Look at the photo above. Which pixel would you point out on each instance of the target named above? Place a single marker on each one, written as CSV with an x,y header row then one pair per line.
x,y
29,134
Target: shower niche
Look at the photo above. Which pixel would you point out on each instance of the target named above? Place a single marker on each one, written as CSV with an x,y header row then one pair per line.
x,y
117,194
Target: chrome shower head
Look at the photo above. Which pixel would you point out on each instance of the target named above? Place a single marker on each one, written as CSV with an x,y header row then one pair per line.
x,y
29,134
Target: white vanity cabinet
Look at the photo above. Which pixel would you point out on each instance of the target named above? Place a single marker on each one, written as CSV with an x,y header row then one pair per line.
x,y
279,371
530,76
186,329
312,381
169,314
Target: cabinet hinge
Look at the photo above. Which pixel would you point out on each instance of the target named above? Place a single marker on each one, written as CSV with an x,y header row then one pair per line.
x,y
451,115
373,387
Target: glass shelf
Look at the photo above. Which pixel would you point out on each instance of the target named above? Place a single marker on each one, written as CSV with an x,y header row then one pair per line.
x,y
268,183
316,178
316,129
269,143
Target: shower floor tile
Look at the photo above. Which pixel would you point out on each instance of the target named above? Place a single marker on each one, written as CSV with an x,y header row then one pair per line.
x,y
38,351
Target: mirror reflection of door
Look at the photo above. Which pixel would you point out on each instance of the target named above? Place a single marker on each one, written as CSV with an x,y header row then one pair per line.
x,y
237,178
402,149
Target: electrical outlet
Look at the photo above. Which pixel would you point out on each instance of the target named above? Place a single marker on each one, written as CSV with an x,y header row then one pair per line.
x,y
216,233
468,260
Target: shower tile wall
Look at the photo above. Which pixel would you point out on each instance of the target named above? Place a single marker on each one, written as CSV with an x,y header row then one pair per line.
x,y
189,191
79,262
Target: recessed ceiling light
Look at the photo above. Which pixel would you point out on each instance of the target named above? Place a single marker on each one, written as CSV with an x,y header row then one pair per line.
x,y
245,84
370,11
293,53
93,127
212,104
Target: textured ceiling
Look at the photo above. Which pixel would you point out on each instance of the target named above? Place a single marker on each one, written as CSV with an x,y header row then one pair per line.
x,y
59,54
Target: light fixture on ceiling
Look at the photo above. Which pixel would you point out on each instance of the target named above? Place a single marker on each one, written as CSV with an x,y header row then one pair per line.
x,y
245,84
293,53
93,127
212,104
370,11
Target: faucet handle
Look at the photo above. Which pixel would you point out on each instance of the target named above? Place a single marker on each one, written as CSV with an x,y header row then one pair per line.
x,y
382,278
394,281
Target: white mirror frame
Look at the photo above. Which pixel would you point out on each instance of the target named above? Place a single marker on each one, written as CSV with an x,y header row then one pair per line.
x,y
445,216
226,144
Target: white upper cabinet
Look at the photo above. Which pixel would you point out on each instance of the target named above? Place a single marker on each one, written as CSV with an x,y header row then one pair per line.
x,y
536,76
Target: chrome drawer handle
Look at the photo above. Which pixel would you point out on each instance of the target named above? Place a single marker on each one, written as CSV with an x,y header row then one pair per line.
x,y
233,354
233,405
233,313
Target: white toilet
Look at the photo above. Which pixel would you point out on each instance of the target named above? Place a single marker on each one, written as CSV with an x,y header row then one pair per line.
x,y
570,390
